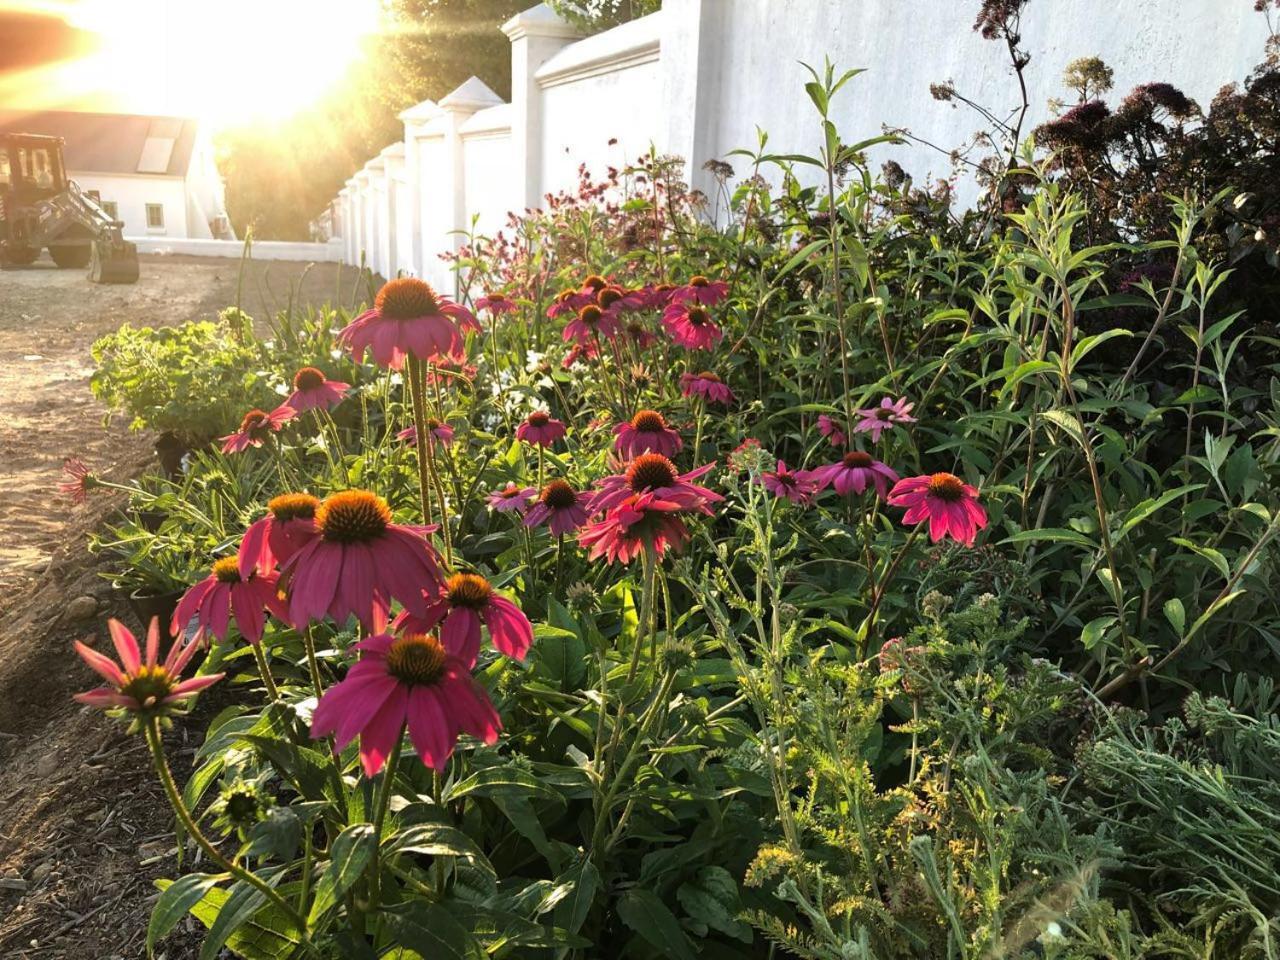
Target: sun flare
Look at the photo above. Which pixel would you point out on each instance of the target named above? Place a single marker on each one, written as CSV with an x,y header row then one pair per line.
x,y
228,62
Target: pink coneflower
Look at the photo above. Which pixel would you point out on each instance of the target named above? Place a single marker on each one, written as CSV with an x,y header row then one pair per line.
x,y
223,594
798,486
658,297
408,680
288,526
832,431
591,322
360,562
854,473
947,502
614,300
577,352
80,479
654,473
890,413
440,433
255,428
691,326
467,602
147,687
638,521
540,429
511,498
640,335
408,319
313,391
706,385
569,302
497,303
560,507
701,290
646,432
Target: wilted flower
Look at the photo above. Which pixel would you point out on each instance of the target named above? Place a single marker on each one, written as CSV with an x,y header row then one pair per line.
x,y
255,428
947,502
224,594
80,479
832,431
640,521
313,391
410,680
145,687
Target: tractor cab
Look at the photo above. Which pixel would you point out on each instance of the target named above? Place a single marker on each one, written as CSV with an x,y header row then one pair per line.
x,y
31,167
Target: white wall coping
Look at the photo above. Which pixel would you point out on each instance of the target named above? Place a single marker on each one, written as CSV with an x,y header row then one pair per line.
x,y
539,21
393,152
332,251
490,120
628,45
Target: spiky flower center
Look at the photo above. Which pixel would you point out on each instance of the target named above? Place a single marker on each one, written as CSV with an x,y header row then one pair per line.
x,y
468,590
699,281
699,317
786,478
417,659
496,298
650,471
564,296
433,423
883,413
608,296
256,423
648,421
308,378
946,486
558,495
353,516
293,506
590,314
595,282
406,298
857,459
227,570
148,686
539,418
510,491
706,375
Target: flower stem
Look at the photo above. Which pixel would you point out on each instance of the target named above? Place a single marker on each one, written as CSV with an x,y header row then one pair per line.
x,y
313,666
264,670
156,744
414,371
380,816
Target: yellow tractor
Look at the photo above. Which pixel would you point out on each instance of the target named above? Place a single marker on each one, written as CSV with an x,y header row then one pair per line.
x,y
41,208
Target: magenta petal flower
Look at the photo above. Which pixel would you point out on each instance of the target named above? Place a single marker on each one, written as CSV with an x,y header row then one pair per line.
x,y
256,427
496,303
560,507
141,686
408,319
223,594
467,602
656,474
854,473
511,498
690,325
640,521
288,526
949,504
832,431
439,431
540,429
590,323
312,390
706,385
701,290
798,486
359,563
408,681
80,479
646,432
890,413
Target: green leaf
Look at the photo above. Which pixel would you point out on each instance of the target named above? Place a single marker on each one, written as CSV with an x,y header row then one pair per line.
x,y
350,855
1024,370
442,840
1210,554
430,930
711,899
505,779
1067,421
1176,614
264,934
1147,507
1053,535
643,912
560,657
1094,631
1214,608
571,913
176,898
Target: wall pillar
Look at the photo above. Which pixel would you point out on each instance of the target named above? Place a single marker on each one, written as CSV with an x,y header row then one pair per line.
x,y
456,108
535,35
692,75
393,164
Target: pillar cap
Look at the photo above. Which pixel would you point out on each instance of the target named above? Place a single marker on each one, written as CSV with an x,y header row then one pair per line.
x,y
471,96
539,21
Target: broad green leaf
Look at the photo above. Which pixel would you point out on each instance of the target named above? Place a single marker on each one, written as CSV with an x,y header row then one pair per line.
x,y
350,855
1213,609
1094,631
430,930
441,840
505,779
1210,554
262,934
176,898
1176,614
643,912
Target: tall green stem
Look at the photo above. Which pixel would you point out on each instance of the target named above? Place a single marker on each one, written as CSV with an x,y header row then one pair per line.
x,y
386,788
418,402
264,670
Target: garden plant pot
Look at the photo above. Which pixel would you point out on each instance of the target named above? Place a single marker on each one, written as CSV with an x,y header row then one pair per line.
x,y
147,605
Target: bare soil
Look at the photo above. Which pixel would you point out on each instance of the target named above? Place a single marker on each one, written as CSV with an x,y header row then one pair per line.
x,y
84,828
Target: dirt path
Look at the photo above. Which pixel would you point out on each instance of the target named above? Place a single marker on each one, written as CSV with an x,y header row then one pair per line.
x,y
84,829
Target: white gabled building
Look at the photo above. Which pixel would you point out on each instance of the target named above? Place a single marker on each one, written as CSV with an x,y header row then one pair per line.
x,y
157,174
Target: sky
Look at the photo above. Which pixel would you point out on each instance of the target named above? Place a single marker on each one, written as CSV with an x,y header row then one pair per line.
x,y
225,61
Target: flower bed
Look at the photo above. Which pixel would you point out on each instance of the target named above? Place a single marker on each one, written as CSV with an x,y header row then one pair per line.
x,y
811,584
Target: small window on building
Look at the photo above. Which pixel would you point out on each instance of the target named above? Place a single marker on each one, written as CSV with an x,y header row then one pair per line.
x,y
155,216
112,209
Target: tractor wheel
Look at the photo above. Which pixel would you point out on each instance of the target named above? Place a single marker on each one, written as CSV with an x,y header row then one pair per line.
x,y
71,255
20,256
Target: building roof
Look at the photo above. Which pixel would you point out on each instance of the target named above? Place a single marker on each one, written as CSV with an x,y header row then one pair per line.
x,y
112,142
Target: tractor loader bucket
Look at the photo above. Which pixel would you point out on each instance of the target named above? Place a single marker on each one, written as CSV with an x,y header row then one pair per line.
x,y
114,261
